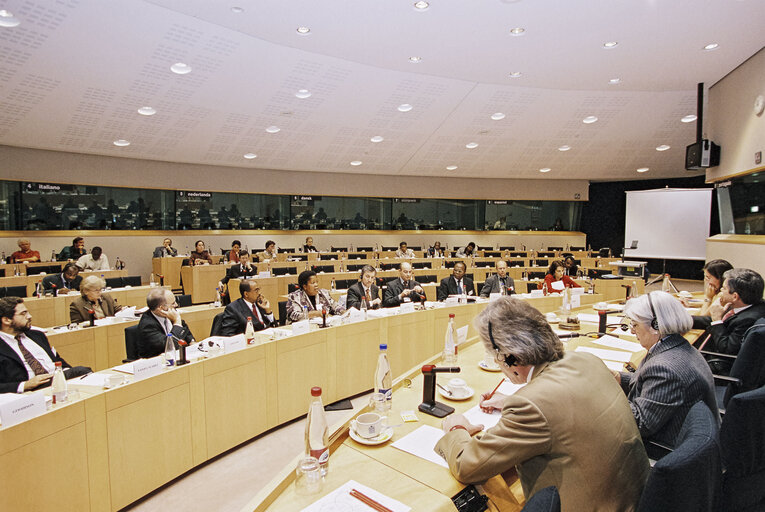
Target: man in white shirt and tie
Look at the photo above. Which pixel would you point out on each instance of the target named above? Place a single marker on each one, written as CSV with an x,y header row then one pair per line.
x,y
364,289
162,318
456,284
251,305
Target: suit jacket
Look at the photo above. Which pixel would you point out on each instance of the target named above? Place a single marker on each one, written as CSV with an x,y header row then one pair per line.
x,y
12,369
78,309
592,452
448,287
70,253
727,336
159,252
672,378
152,337
60,282
236,272
492,285
394,289
235,318
356,292
297,299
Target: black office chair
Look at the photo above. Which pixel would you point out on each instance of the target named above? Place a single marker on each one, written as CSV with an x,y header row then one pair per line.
x,y
544,500
427,278
506,247
554,249
537,275
546,254
421,264
394,248
515,263
183,301
282,312
131,281
742,441
217,324
389,266
131,343
354,268
605,252
186,262
299,257
113,282
284,271
48,269
327,257
517,254
449,264
492,254
291,287
365,249
13,291
484,264
688,478
338,249
531,286
541,263
576,248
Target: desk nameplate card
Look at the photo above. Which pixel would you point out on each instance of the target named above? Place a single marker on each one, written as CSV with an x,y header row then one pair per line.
x,y
145,368
21,408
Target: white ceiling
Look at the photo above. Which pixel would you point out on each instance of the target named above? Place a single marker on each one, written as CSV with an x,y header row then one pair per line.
x,y
74,72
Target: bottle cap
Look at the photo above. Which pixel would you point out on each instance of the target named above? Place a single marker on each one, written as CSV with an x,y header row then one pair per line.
x,y
316,391
451,315
249,318
58,363
383,346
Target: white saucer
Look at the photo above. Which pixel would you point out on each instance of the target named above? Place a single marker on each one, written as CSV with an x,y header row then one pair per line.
x,y
386,435
483,366
456,398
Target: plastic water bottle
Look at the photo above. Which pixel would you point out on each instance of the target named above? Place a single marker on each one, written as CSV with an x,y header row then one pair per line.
x,y
170,355
364,306
333,285
53,255
249,331
152,281
217,297
383,379
305,312
58,384
39,289
118,264
317,432
450,343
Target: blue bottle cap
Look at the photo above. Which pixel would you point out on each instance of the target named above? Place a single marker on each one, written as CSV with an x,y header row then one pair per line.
x,y
383,346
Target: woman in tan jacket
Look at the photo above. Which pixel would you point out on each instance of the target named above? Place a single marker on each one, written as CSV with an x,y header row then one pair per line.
x,y
92,299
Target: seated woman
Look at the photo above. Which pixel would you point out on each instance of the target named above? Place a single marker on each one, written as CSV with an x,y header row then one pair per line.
x,y
713,281
673,376
233,255
310,296
92,299
556,280
200,255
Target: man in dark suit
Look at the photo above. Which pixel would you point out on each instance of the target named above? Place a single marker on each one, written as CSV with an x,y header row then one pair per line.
x,y
27,360
240,270
499,281
403,288
738,307
161,319
365,288
456,284
68,280
165,250
251,305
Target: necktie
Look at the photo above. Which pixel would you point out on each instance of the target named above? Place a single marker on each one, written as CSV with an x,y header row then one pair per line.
x,y
256,313
33,363
369,295
459,287
729,314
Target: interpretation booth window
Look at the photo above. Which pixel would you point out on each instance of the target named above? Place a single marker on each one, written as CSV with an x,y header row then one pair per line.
x,y
742,205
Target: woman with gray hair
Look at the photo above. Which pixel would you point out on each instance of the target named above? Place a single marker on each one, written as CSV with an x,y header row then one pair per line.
x,y
92,299
673,375
556,429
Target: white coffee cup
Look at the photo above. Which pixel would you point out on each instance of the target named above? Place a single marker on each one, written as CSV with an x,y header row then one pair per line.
x,y
369,425
458,387
551,317
601,305
489,359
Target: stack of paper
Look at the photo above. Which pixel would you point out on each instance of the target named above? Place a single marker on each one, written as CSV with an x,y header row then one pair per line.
x,y
341,499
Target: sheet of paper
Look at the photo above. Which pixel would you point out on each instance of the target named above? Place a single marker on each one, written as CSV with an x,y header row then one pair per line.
x,y
508,388
128,312
606,355
124,368
477,417
610,341
462,334
341,499
421,443
98,380
615,366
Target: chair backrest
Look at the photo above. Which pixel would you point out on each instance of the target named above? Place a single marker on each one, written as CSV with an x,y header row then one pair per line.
x,y
131,281
575,248
484,264
183,301
186,262
492,254
339,249
506,247
48,269
114,282
389,266
427,278
365,249
689,477
749,365
283,271
517,254
537,275
131,342
516,263
291,287
327,257
283,312
544,500
541,263
2,272
354,268
742,436
13,291
217,323
531,286
421,264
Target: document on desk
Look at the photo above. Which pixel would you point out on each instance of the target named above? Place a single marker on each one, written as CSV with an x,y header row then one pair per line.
x,y
341,499
606,355
610,341
421,443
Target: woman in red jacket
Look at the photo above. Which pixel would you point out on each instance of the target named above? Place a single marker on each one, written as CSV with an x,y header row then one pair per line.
x,y
555,280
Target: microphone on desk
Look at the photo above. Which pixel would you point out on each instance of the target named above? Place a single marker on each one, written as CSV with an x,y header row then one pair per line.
x,y
429,404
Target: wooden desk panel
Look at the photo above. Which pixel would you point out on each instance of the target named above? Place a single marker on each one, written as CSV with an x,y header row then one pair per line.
x,y
200,281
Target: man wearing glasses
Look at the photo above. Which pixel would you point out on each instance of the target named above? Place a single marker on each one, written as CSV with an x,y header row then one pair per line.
x,y
162,318
251,305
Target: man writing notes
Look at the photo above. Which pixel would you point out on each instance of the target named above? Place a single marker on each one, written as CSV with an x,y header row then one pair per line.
x,y
68,280
27,360
403,289
499,281
96,260
252,304
456,284
364,289
162,318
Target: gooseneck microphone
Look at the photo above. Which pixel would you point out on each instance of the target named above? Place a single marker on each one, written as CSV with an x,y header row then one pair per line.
x,y
429,404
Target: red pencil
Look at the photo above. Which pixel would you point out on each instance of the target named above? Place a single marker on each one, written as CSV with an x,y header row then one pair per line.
x,y
495,389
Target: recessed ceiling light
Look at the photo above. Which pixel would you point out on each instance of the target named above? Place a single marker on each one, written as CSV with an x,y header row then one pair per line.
x,y
517,31
615,81
451,168
250,156
711,46
545,169
643,169
273,129
471,145
589,119
610,44
377,138
303,94
515,74
406,107
356,163
564,148
237,10
8,20
179,68
121,142
663,147
415,60
688,119
498,116
303,30
147,111
421,5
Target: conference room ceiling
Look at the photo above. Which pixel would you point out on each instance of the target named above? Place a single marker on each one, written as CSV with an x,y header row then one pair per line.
x,y
73,74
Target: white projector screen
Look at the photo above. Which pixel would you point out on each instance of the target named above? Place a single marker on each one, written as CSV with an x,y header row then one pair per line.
x,y
668,223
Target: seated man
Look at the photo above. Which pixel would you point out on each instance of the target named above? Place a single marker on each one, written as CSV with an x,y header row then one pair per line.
x,y
308,246
310,298
27,360
92,299
455,284
162,318
25,254
68,280
242,269
253,305
436,251
365,288
467,251
403,289
270,252
403,252
96,260
74,251
499,281
200,255
165,250
738,307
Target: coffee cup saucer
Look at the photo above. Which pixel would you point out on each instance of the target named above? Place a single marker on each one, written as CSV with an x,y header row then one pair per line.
x,y
381,438
483,366
464,396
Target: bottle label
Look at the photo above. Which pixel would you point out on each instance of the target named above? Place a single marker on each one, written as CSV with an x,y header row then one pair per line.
x,y
387,392
322,454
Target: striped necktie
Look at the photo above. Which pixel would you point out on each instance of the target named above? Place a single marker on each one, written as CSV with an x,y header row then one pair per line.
x,y
33,363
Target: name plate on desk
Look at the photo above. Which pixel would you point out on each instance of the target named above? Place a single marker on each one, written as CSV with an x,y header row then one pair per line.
x,y
356,316
265,273
576,300
21,408
234,343
407,307
145,368
300,327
